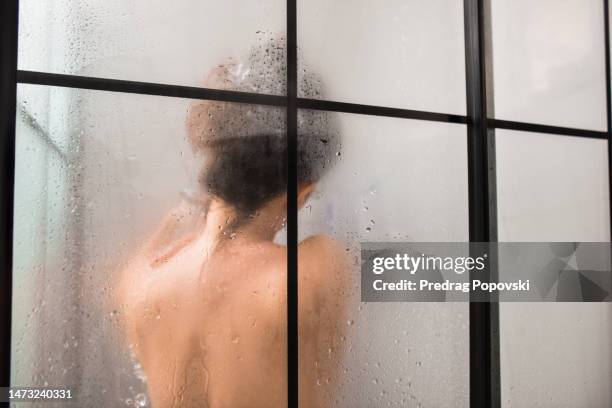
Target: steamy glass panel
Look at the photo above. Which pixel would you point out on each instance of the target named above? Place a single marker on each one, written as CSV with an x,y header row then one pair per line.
x,y
144,40
552,69
387,354
405,54
554,188
133,237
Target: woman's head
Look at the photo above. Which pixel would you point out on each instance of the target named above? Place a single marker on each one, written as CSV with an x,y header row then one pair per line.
x,y
244,146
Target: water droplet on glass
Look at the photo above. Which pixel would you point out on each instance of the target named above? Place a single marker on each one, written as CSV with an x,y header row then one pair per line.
x,y
140,400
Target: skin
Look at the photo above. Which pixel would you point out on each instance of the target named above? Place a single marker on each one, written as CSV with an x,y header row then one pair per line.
x,y
205,311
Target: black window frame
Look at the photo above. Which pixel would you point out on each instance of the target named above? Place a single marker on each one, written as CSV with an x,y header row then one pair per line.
x,y
481,124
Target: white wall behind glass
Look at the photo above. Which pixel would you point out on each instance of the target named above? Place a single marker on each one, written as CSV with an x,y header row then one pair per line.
x,y
144,40
554,188
548,62
407,54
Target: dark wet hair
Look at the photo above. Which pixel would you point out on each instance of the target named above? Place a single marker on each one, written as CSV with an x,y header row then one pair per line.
x,y
245,146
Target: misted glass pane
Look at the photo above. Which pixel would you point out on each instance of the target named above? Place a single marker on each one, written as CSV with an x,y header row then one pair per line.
x,y
407,54
548,62
148,40
554,189
391,180
145,269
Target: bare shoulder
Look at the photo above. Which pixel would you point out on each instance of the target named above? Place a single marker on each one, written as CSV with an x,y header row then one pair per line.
x,y
320,242
322,252
323,264
325,290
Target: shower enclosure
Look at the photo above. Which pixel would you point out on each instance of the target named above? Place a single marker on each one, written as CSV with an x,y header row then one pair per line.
x,y
462,120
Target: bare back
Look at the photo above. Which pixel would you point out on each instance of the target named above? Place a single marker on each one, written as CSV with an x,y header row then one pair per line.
x,y
209,324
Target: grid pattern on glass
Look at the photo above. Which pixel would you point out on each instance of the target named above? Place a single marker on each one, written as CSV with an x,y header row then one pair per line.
x,y
479,389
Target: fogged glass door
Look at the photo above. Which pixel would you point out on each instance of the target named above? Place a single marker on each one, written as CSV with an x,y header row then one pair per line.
x,y
170,140
553,187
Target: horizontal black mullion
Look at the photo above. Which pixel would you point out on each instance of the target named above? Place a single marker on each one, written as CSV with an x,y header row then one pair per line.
x,y
191,92
346,107
553,130
146,88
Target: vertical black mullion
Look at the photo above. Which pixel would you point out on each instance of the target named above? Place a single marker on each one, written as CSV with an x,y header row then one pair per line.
x,y
484,357
606,11
8,88
491,159
292,208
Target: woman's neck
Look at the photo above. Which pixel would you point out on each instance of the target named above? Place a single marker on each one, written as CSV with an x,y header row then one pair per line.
x,y
225,222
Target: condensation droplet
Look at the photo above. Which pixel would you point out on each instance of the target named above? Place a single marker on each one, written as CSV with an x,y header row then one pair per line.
x,y
140,400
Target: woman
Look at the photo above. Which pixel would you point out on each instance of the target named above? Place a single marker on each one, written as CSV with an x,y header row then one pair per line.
x,y
204,300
